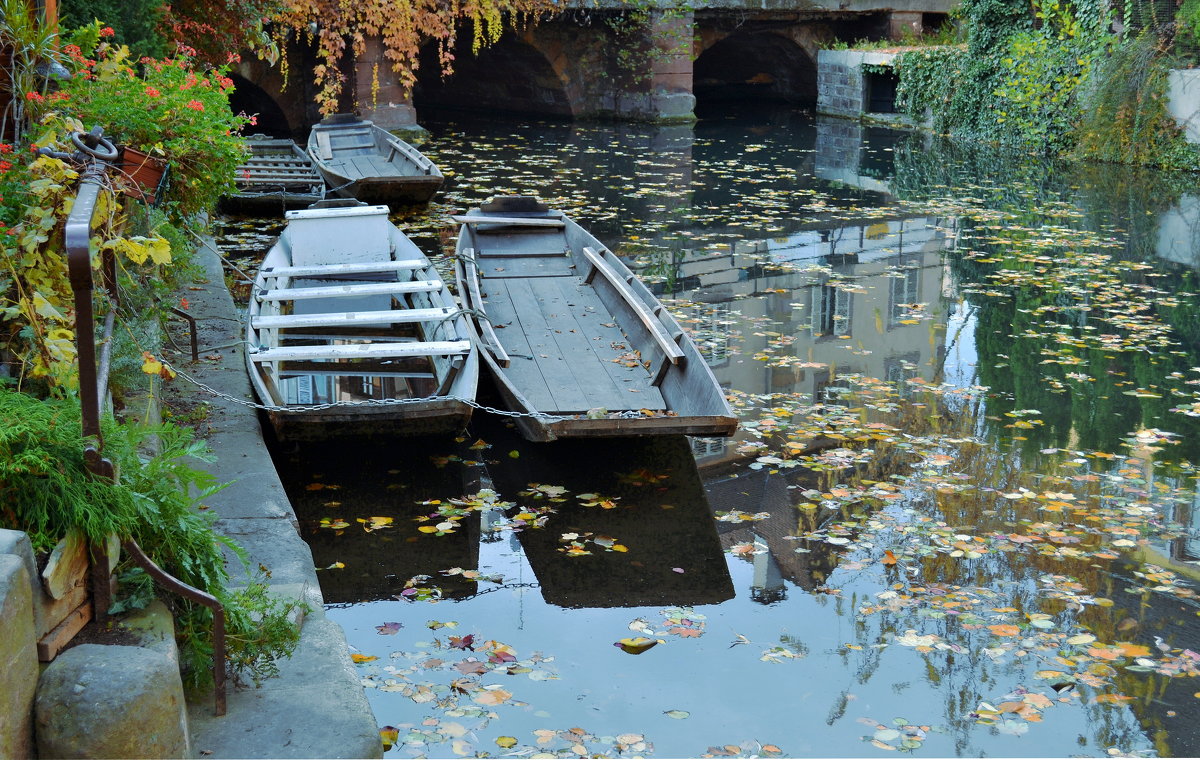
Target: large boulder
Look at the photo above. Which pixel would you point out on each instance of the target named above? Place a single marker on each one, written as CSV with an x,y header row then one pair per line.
x,y
99,701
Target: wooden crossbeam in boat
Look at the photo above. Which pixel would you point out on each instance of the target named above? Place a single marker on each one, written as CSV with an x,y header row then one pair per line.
x,y
669,347
325,369
346,291
344,318
359,267
485,324
519,221
363,351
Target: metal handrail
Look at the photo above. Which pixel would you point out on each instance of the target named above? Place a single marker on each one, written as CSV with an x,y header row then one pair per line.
x,y
94,152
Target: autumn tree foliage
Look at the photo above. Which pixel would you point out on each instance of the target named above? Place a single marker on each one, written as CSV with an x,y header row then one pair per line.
x,y
341,28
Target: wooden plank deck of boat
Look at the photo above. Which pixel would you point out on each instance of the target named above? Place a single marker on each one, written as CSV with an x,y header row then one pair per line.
x,y
567,354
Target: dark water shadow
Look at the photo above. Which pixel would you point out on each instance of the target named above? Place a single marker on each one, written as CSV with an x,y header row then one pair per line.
x,y
353,482
660,514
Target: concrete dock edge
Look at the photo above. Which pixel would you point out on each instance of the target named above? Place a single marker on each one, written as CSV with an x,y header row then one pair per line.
x,y
316,706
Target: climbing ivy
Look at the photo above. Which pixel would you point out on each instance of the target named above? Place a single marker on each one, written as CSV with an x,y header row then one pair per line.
x,y
1052,76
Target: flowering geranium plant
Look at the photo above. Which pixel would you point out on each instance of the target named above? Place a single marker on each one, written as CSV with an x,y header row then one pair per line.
x,y
169,108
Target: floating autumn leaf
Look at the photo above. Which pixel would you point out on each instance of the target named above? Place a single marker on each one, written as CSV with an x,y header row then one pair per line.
x,y
389,629
506,742
1005,629
372,524
361,658
677,714
492,695
388,735
333,523
636,644
463,642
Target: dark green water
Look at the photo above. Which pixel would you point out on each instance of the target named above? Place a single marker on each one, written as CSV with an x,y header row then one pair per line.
x,y
988,554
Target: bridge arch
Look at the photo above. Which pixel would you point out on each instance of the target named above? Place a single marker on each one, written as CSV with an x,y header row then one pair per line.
x,y
512,75
766,65
253,100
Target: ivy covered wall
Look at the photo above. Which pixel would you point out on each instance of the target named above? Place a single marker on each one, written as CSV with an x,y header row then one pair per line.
x,y
1076,78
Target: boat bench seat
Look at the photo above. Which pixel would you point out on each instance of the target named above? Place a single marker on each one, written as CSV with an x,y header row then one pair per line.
x,y
396,350
347,318
350,291
358,267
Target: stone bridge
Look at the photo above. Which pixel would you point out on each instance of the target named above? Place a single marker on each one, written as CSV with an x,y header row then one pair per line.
x,y
606,61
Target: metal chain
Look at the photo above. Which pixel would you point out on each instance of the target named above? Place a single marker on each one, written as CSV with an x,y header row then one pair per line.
x,y
365,402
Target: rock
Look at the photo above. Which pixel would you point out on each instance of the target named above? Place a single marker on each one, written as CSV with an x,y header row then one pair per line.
x,y
18,658
99,701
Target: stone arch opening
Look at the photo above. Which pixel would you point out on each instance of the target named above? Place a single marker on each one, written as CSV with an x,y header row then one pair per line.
x,y
253,100
755,66
510,76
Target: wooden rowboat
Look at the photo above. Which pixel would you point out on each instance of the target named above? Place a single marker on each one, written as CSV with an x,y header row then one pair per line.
x,y
277,176
363,161
567,331
351,332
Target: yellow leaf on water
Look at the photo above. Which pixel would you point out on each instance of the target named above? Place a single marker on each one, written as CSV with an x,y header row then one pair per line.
x,y
506,742
360,658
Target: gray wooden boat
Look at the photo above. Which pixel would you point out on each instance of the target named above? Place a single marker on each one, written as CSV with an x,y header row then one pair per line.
x,y
277,176
351,332
363,161
565,329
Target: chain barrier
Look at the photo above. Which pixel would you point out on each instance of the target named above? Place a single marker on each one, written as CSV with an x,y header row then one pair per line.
x,y
365,402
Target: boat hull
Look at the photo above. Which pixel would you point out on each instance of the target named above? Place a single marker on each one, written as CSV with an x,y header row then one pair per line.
x,y
443,417
576,354
278,176
352,334
362,161
410,192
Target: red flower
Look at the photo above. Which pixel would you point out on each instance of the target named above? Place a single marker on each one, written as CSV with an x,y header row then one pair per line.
x,y
195,105
4,166
34,96
5,148
152,92
107,32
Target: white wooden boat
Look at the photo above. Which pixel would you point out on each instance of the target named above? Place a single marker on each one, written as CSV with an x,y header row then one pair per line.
x,y
363,161
566,330
277,176
351,332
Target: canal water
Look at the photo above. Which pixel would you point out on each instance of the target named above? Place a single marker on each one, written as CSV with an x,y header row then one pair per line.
x,y
957,519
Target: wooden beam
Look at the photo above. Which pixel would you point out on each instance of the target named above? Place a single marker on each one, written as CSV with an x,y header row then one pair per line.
x,y
519,221
669,347
55,641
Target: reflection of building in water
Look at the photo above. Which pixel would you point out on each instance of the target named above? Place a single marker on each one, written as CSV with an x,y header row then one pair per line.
x,y
791,313
776,560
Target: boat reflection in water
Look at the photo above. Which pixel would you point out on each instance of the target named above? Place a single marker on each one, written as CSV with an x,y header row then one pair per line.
x,y
647,497
359,507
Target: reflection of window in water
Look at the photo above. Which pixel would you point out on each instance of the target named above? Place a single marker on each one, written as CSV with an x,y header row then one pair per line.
x,y
898,370
904,287
831,313
712,331
708,447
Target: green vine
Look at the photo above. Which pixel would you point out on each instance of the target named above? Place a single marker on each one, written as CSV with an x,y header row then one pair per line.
x,y
1052,77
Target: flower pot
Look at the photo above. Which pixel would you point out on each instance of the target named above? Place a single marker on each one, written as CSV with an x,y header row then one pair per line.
x,y
144,175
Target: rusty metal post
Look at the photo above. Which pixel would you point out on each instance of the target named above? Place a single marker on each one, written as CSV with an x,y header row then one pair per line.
x,y
196,595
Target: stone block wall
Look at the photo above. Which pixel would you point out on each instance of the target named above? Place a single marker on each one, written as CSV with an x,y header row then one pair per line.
x,y
840,82
841,89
